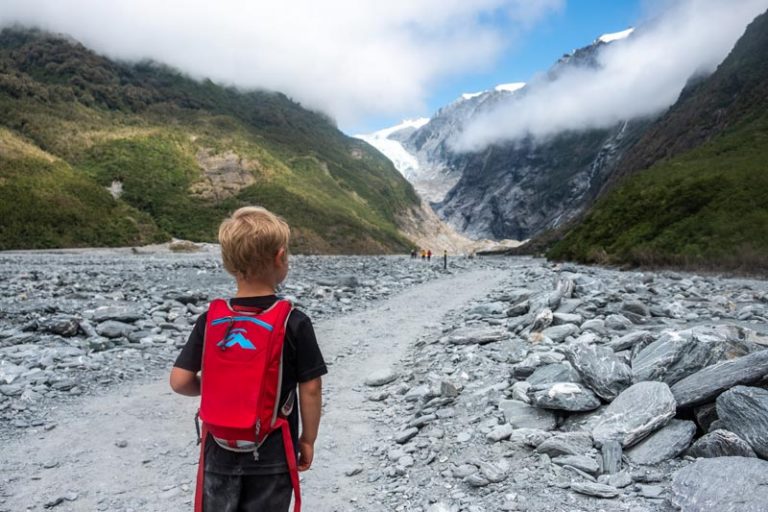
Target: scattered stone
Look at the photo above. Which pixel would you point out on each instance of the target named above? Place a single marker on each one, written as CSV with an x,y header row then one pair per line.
x,y
381,377
121,443
744,411
569,443
500,433
638,411
406,435
665,444
581,462
705,385
600,369
475,335
611,452
721,443
564,396
677,354
556,372
595,489
722,484
559,333
521,415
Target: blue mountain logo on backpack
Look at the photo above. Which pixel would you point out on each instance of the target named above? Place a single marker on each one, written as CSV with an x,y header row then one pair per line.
x,y
235,337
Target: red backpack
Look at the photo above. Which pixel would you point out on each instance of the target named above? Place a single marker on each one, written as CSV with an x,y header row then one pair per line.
x,y
241,380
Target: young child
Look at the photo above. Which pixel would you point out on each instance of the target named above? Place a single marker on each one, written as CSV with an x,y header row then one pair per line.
x,y
254,248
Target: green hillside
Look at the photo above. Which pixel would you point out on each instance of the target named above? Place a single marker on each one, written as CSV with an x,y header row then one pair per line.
x,y
179,154
704,199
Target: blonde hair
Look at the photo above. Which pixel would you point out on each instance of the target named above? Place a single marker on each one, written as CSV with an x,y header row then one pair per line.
x,y
250,239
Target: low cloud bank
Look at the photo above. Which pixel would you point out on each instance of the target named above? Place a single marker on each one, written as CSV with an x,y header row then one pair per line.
x,y
348,58
636,77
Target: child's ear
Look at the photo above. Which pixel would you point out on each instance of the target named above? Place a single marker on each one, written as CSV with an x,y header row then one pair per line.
x,y
282,256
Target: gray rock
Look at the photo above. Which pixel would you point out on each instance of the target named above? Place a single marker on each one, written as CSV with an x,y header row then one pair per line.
x,y
566,318
114,329
532,437
618,323
677,354
721,443
476,335
500,433
563,396
744,411
521,415
600,369
477,480
521,308
629,341
492,472
594,325
595,489
621,479
118,313
406,435
63,326
638,411
558,333
722,484
704,385
665,444
650,491
611,452
381,377
636,307
551,373
10,372
581,462
568,443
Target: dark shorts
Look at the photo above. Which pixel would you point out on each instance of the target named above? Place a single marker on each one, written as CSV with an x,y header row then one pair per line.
x,y
247,493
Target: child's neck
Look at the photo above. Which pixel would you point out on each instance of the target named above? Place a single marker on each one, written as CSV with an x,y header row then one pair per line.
x,y
254,289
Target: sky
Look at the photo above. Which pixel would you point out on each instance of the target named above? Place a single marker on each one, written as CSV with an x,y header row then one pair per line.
x,y
368,63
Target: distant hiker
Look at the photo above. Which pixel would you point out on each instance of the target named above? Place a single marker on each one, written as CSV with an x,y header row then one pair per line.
x,y
423,254
429,255
413,254
445,259
254,350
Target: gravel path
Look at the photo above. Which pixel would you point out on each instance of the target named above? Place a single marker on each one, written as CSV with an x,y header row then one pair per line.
x,y
134,449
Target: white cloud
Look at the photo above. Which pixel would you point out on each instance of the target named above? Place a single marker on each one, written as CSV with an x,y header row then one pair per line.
x,y
637,77
349,58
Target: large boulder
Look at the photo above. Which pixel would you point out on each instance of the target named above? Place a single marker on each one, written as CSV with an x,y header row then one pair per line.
x,y
563,396
704,385
566,443
721,443
665,444
678,354
744,411
521,415
600,369
556,372
637,412
722,484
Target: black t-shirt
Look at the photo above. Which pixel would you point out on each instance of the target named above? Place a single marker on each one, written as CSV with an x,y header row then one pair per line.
x,y
302,362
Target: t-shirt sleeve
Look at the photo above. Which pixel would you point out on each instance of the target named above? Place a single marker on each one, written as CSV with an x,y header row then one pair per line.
x,y
309,360
191,356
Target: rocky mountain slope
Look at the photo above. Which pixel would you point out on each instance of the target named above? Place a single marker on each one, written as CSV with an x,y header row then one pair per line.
x,y
519,189
95,152
694,187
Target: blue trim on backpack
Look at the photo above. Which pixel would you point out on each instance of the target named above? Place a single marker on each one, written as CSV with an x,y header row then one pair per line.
x,y
256,321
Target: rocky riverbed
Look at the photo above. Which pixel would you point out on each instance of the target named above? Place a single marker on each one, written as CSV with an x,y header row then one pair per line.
x,y
74,322
563,388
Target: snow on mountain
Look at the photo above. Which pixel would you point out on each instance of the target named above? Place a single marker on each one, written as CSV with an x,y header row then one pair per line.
x,y
470,95
511,87
403,161
615,36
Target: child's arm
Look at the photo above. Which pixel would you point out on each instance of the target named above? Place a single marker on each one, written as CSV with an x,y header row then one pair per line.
x,y
310,405
185,382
